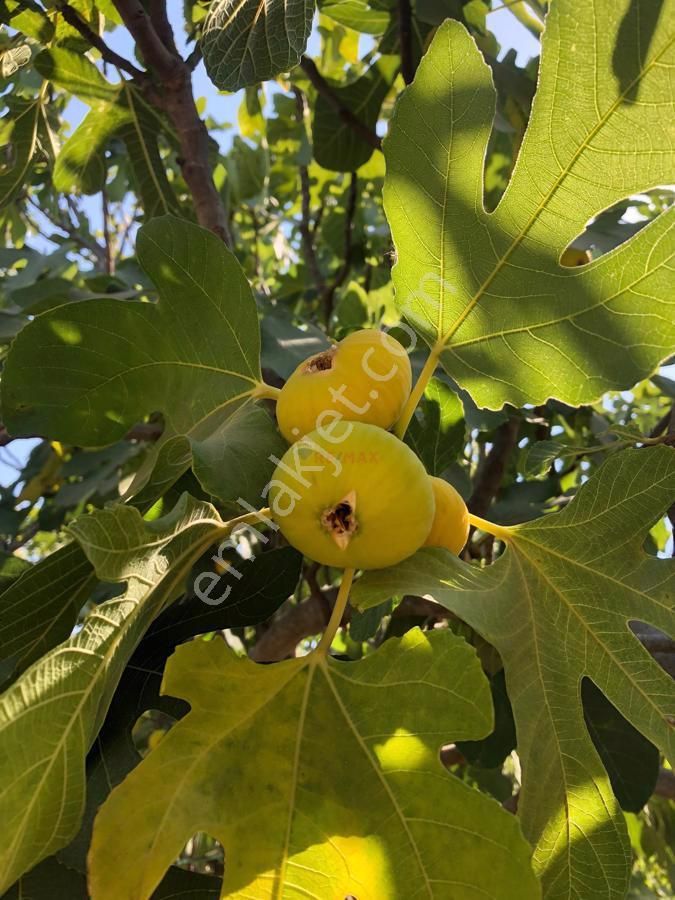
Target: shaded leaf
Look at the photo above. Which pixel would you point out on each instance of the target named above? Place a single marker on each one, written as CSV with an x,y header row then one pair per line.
x,y
436,433
513,324
40,609
53,881
50,716
493,750
265,583
336,145
236,460
281,748
193,356
247,42
557,606
18,133
116,110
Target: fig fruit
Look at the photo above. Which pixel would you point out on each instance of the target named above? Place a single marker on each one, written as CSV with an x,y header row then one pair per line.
x,y
364,378
450,528
353,496
572,256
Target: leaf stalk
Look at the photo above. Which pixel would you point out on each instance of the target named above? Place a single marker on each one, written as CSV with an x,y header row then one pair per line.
x,y
336,616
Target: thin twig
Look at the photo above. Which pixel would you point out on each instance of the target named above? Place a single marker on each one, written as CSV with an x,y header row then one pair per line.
x,y
306,209
73,18
124,236
69,228
345,114
490,473
107,237
193,58
343,271
405,39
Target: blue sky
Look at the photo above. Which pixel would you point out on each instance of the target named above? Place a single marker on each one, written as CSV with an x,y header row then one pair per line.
x,y
223,108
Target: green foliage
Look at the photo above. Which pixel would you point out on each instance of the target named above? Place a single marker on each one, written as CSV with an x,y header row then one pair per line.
x,y
142,354
147,360
291,720
244,43
336,145
572,583
66,694
598,132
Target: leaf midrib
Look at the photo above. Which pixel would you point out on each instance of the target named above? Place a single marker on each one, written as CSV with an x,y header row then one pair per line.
x,y
378,772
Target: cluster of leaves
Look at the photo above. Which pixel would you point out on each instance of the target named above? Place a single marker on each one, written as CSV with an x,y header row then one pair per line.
x,y
139,359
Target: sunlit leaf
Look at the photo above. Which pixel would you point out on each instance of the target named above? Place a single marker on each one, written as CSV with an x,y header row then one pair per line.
x,y
265,583
18,130
514,325
344,792
557,606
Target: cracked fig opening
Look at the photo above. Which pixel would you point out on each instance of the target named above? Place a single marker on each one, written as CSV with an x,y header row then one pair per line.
x,y
340,520
321,362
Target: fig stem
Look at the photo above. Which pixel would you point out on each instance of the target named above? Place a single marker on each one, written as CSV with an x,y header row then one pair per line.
x,y
416,393
264,391
336,615
490,527
258,515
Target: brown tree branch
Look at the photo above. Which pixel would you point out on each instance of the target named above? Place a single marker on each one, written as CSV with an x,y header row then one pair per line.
x,y
160,20
306,232
491,469
292,625
73,18
345,114
343,271
174,95
155,53
405,40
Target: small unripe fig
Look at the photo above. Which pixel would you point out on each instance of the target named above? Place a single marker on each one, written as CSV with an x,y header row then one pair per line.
x,y
572,256
450,527
352,496
364,378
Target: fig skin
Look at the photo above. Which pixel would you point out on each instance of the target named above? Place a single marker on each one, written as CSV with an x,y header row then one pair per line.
x,y
365,378
368,505
450,528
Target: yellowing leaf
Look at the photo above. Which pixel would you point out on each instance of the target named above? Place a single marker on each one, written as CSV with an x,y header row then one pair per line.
x,y
321,779
487,290
557,606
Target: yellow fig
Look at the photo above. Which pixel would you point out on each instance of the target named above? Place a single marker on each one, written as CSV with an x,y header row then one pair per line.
x,y
364,378
450,527
575,257
352,496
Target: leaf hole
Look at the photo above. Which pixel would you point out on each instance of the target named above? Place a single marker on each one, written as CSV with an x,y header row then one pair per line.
x,y
657,643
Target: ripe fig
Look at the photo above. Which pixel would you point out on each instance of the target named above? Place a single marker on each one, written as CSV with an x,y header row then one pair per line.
x,y
364,378
573,256
450,527
352,496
